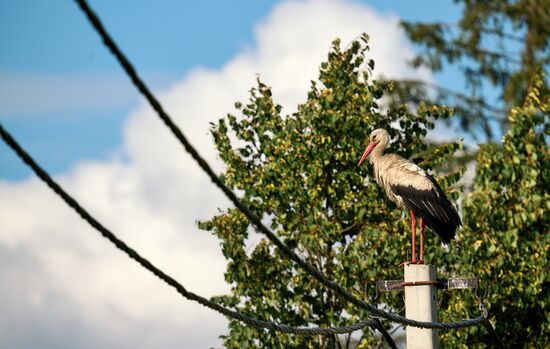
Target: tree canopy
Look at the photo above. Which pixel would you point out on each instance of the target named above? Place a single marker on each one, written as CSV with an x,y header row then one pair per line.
x,y
298,172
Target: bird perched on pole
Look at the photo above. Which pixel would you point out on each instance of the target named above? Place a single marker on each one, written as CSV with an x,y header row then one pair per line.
x,y
410,186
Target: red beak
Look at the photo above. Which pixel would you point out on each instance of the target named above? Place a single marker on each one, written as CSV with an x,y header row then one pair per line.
x,y
369,148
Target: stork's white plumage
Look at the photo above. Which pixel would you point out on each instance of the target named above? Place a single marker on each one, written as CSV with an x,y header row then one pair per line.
x,y
410,186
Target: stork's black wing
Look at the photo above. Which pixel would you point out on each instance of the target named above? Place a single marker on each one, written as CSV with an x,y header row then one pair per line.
x,y
433,207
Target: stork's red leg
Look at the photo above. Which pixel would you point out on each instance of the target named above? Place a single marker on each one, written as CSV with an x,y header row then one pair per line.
x,y
422,225
413,260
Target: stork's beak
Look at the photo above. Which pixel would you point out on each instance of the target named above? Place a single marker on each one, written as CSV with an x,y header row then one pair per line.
x,y
369,148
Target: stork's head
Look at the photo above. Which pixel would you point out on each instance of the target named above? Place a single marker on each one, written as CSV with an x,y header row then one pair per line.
x,y
378,139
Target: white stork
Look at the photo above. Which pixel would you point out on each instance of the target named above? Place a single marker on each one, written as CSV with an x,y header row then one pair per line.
x,y
409,186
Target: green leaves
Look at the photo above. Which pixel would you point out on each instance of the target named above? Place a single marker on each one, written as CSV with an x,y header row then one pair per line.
x,y
507,223
299,172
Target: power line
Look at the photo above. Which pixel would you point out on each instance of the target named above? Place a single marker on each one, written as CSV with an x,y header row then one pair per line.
x,y
254,219
496,338
480,296
121,245
385,334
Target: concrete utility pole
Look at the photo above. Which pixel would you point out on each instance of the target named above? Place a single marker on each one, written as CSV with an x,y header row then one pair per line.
x,y
421,305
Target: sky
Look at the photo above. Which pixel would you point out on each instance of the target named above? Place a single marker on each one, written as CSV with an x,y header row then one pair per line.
x,y
67,101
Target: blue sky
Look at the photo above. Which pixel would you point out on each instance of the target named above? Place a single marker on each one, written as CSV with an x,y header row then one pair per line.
x,y
64,96
46,40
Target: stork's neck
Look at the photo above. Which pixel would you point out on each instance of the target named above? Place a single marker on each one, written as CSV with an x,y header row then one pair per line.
x,y
377,153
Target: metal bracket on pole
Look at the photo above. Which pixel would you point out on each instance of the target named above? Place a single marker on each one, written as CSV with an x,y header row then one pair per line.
x,y
442,284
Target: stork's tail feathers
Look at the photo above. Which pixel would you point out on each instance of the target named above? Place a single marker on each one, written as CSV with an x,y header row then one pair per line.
x,y
446,232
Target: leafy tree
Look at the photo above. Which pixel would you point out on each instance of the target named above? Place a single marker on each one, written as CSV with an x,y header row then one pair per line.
x,y
507,231
496,43
299,172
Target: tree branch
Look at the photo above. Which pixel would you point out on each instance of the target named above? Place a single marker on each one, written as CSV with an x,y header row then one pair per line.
x,y
446,90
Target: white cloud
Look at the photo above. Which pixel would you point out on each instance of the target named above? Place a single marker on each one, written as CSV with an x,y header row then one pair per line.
x,y
71,288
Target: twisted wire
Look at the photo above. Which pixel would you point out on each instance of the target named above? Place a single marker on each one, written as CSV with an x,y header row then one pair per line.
x,y
253,218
